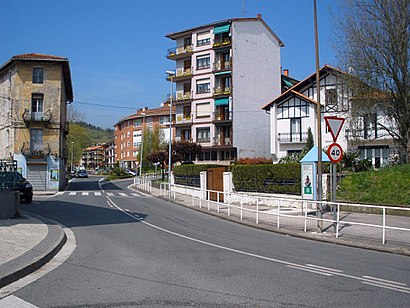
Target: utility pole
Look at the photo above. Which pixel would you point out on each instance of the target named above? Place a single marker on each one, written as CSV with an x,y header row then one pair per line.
x,y
319,213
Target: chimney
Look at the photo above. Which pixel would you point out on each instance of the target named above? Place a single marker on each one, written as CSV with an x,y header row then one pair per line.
x,y
259,16
286,72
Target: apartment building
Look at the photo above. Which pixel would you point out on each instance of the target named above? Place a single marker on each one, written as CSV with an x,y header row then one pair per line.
x,y
224,72
94,157
294,111
34,92
128,133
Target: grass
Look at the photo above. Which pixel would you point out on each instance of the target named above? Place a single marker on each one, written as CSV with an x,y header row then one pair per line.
x,y
390,186
118,177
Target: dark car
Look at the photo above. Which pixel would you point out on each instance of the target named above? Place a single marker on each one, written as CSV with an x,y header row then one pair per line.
x,y
82,174
15,181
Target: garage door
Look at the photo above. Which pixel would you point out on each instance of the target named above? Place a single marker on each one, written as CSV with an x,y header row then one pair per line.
x,y
37,176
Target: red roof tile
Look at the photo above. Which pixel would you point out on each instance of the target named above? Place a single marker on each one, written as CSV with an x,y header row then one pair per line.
x,y
38,56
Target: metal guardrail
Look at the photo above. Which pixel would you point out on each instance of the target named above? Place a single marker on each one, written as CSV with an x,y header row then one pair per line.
x,y
275,211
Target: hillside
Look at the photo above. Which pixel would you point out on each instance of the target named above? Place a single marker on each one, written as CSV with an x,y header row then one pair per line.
x,y
97,134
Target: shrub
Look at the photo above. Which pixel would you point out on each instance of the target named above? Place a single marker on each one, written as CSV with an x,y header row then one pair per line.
x,y
254,161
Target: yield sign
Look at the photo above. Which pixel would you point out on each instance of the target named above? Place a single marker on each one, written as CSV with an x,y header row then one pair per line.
x,y
334,125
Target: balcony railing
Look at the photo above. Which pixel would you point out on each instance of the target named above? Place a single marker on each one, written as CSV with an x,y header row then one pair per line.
x,y
222,42
32,116
179,51
181,119
181,74
220,141
181,96
292,137
366,135
221,66
218,91
178,139
223,116
35,150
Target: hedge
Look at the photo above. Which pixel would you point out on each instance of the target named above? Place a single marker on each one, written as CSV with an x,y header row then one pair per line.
x,y
278,178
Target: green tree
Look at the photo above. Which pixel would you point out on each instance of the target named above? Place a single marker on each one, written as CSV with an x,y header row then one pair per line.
x,y
153,141
77,139
374,45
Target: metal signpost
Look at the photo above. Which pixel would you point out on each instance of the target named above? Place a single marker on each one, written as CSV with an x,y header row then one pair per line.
x,y
335,153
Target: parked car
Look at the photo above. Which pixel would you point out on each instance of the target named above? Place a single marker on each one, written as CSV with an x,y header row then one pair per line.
x,y
15,181
82,174
130,171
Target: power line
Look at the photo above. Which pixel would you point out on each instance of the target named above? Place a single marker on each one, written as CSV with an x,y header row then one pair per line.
x,y
104,105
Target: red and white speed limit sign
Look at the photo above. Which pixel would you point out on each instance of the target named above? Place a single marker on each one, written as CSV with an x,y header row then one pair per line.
x,y
335,153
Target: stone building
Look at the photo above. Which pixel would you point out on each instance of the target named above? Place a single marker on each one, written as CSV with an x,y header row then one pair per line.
x,y
34,92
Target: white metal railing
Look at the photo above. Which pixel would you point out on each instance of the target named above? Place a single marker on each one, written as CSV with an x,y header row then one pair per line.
x,y
277,211
143,183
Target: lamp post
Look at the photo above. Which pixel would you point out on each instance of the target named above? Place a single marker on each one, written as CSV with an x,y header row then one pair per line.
x,y
142,141
171,75
319,128
72,155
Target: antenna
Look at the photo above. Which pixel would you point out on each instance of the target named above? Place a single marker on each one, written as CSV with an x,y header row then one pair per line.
x,y
243,8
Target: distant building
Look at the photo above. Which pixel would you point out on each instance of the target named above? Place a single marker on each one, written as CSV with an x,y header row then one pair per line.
x,y
224,72
110,155
128,134
94,157
34,92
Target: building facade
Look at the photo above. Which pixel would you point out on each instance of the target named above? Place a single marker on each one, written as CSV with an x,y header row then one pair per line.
x,y
224,71
94,157
128,133
34,92
294,111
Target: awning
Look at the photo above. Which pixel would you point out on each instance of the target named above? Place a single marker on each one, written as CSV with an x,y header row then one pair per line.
x,y
222,73
222,29
222,102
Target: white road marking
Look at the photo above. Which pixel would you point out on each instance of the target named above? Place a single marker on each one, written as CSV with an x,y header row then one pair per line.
x,y
59,193
14,302
72,193
123,194
85,193
110,194
385,281
97,193
323,271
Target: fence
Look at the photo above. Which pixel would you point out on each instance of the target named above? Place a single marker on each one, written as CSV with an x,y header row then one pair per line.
x,y
337,218
143,183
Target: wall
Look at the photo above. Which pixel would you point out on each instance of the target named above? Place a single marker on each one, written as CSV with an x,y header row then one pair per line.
x,y
256,80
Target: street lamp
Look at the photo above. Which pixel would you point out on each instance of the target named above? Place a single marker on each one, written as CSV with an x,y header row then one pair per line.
x,y
142,142
171,75
72,155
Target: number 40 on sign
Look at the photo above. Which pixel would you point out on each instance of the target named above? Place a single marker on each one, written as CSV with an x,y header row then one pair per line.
x,y
335,153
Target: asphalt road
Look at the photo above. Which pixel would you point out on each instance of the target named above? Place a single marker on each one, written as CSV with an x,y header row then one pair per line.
x,y
137,250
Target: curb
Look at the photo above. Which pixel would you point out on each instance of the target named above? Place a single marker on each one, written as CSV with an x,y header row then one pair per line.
x,y
35,258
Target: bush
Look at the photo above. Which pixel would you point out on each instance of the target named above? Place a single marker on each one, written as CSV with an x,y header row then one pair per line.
x,y
254,161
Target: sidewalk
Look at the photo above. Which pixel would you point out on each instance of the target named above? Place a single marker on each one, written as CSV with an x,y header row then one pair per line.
x,y
349,234
26,244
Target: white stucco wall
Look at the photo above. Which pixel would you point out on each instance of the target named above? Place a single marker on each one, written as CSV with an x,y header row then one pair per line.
x,y
255,80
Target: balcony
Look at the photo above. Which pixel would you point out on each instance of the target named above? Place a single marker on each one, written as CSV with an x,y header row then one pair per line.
x,y
181,119
222,66
222,141
181,74
31,116
35,151
222,91
292,137
223,116
183,97
179,139
180,52
222,42
369,134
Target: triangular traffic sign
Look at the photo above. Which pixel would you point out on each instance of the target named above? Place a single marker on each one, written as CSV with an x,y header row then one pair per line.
x,y
334,125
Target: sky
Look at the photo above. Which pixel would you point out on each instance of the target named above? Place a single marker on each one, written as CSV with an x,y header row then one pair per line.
x,y
117,49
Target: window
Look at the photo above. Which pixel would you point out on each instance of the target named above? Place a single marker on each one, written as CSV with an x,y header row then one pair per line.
x,y
137,123
38,75
203,134
36,139
295,129
203,38
203,62
164,120
203,110
37,102
331,100
203,86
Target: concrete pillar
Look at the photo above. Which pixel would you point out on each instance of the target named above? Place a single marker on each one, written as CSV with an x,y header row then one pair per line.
x,y
204,184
